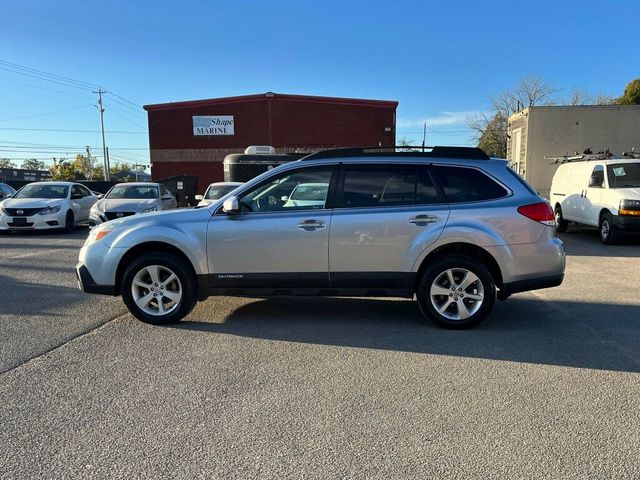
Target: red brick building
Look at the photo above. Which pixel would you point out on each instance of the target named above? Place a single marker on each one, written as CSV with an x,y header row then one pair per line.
x,y
193,137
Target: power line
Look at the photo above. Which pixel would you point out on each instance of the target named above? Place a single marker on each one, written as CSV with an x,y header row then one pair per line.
x,y
121,115
45,114
65,130
43,88
15,68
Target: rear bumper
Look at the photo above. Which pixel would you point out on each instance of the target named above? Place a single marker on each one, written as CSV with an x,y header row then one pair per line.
x,y
530,284
626,224
87,284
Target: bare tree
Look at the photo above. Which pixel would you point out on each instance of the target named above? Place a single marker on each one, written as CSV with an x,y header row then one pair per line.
x,y
579,96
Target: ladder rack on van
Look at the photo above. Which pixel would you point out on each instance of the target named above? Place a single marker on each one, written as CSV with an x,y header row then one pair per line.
x,y
583,157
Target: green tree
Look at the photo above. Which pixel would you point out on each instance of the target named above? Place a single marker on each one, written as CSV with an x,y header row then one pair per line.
x,y
63,169
631,94
33,164
6,163
493,139
86,165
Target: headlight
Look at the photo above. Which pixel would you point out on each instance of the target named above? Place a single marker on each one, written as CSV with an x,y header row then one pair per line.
x,y
49,210
150,209
629,207
97,233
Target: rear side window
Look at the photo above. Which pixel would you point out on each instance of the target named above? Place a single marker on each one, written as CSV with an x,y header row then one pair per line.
x,y
461,184
386,187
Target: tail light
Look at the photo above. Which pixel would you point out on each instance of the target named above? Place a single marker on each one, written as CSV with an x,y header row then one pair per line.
x,y
539,212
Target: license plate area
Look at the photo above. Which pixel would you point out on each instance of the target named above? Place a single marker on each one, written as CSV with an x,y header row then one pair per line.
x,y
19,221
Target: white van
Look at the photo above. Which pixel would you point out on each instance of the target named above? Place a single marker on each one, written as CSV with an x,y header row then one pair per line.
x,y
600,193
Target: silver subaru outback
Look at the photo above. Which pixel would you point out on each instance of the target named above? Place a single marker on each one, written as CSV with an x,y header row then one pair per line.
x,y
448,226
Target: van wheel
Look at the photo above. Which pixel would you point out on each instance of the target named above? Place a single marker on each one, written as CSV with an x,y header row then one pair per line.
x,y
159,288
561,223
456,292
608,234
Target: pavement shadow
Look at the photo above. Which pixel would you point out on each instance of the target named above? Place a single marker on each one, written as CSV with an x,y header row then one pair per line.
x,y
585,242
522,329
25,298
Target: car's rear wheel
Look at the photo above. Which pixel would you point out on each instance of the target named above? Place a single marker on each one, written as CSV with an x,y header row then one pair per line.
x,y
608,234
159,288
561,223
456,292
69,222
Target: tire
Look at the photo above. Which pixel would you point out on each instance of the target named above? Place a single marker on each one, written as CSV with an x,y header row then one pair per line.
x,y
69,222
437,278
149,300
561,223
606,230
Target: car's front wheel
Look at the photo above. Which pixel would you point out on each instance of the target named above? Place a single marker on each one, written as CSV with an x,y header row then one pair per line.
x,y
608,234
159,288
456,292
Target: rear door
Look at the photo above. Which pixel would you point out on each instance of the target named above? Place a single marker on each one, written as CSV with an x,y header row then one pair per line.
x,y
384,217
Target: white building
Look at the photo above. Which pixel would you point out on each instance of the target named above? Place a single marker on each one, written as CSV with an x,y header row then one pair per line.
x,y
539,132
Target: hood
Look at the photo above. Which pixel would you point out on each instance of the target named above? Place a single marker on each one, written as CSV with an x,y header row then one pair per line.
x,y
32,202
125,204
628,193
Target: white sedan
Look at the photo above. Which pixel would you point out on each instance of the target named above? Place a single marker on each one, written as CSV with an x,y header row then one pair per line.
x,y
47,205
216,191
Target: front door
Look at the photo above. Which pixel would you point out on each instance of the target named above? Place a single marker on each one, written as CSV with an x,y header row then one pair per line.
x,y
281,237
386,216
593,197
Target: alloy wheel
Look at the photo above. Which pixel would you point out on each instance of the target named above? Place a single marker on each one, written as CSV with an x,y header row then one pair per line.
x,y
457,293
156,290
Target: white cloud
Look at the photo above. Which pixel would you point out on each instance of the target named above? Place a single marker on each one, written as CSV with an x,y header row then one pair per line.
x,y
442,119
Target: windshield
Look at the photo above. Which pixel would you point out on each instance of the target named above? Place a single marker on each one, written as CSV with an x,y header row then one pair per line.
x,y
140,191
43,191
219,191
624,175
310,192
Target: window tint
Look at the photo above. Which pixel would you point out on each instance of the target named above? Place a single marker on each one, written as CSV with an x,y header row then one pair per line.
x,y
462,184
76,190
279,194
85,191
383,187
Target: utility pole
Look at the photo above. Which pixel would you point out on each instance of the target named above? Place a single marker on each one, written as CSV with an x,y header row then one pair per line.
x,y
89,163
107,175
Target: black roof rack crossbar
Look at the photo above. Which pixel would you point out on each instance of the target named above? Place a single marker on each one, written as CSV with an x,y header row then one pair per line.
x,y
470,153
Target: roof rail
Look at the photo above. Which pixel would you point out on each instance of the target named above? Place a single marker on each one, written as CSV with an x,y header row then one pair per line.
x,y
470,153
585,156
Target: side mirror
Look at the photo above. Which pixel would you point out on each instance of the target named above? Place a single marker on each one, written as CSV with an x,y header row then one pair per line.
x,y
231,205
199,197
596,181
284,198
101,196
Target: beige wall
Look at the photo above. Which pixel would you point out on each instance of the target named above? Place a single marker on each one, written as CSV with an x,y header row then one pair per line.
x,y
556,131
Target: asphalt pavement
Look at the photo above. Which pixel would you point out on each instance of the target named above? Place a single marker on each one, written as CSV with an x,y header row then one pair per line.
x,y
547,387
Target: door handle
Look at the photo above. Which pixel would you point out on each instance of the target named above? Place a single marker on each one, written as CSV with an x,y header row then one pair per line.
x,y
423,219
309,225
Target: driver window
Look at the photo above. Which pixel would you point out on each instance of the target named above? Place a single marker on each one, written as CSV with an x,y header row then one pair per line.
x,y
75,190
299,190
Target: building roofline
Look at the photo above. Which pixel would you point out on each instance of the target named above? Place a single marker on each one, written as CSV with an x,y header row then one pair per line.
x,y
526,110
274,96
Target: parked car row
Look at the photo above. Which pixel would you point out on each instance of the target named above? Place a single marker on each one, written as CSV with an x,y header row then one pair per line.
x,y
63,205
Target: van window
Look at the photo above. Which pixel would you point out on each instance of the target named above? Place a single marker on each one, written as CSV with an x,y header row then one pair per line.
x,y
623,175
461,184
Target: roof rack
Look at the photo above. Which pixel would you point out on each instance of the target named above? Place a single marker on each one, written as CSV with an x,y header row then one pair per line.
x,y
585,156
470,153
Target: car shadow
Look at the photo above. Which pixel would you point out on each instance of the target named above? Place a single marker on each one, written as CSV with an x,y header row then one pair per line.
x,y
78,233
522,329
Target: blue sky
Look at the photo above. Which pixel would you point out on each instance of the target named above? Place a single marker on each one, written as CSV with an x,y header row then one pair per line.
x,y
441,60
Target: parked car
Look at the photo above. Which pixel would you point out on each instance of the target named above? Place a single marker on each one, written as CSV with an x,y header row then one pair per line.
x,y
450,226
46,205
6,191
307,195
600,193
216,191
125,199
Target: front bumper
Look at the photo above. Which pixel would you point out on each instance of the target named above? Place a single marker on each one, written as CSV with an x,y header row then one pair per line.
x,y
34,222
87,284
626,223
